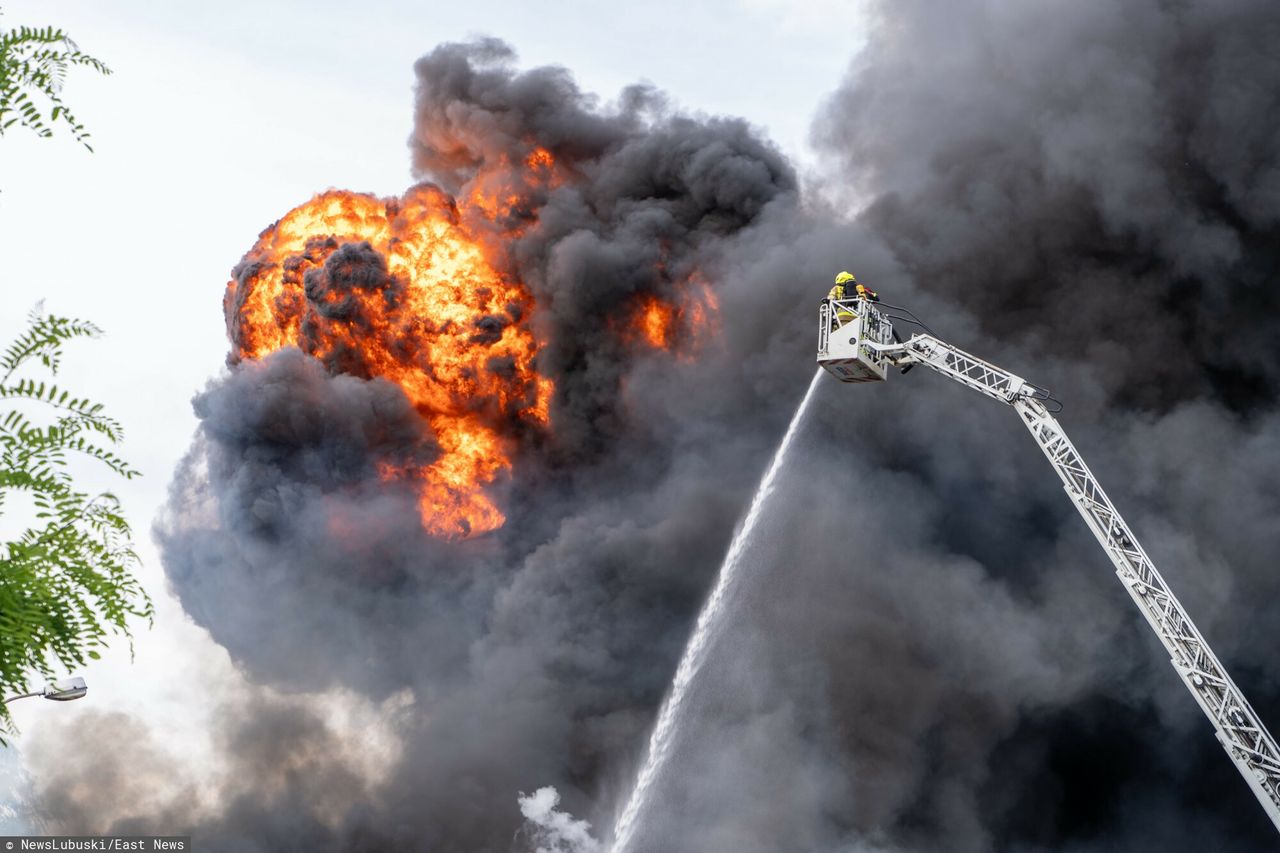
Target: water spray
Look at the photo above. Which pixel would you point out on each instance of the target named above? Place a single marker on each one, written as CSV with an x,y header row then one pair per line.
x,y
707,628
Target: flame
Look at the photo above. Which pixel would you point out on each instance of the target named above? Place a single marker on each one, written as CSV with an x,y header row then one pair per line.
x,y
682,326
540,159
504,194
656,322
413,300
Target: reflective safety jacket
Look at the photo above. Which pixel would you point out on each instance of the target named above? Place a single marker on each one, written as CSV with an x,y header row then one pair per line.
x,y
843,314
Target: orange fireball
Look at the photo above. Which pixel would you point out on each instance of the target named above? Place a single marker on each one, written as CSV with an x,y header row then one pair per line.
x,y
399,289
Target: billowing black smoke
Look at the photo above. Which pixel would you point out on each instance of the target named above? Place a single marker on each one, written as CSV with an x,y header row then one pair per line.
x,y
931,653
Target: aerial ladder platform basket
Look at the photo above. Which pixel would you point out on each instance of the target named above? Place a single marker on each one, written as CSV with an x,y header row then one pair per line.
x,y
848,332
857,343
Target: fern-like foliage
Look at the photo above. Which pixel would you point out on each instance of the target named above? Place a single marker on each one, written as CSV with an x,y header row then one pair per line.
x,y
66,582
33,67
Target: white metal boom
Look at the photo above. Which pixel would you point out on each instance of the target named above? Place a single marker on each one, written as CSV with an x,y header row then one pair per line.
x,y
1238,728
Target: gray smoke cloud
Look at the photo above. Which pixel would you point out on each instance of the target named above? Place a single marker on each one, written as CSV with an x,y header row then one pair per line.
x,y
931,651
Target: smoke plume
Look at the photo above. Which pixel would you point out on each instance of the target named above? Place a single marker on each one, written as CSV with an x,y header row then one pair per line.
x,y
932,652
555,831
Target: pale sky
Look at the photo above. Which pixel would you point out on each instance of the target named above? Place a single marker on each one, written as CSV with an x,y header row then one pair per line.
x,y
221,117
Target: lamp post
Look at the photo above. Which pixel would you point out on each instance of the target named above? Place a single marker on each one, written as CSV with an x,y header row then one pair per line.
x,y
59,691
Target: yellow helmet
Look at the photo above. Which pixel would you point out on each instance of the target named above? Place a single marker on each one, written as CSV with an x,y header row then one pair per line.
x,y
845,277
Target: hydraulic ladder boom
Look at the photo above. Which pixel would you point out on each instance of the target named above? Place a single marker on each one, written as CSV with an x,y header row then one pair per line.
x,y
1237,726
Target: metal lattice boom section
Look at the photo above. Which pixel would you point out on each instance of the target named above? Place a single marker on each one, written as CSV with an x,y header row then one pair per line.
x,y
964,368
1239,730
1237,726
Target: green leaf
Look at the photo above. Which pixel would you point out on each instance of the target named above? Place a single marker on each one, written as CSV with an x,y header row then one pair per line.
x,y
67,582
34,62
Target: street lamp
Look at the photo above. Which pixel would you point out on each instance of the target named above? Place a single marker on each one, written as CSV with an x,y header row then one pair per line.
x,y
59,691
